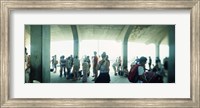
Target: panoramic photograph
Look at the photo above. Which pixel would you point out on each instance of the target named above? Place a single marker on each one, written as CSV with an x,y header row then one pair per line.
x,y
99,54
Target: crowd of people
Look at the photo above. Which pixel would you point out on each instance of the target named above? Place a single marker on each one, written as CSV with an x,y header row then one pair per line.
x,y
70,68
157,74
101,67
75,73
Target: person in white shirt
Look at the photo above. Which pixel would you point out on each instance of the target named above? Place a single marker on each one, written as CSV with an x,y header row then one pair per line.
x,y
114,65
119,60
141,68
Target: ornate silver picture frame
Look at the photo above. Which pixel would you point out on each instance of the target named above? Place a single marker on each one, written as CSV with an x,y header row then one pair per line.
x,y
8,6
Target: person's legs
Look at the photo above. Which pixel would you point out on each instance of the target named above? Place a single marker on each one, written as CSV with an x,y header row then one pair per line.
x,y
84,76
61,69
88,72
118,67
77,74
65,73
68,73
93,72
114,68
54,68
27,74
74,73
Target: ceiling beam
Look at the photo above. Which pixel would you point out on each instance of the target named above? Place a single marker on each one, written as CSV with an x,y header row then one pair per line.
x,y
128,32
74,32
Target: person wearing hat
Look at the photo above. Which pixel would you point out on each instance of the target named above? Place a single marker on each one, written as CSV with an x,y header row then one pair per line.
x,y
103,66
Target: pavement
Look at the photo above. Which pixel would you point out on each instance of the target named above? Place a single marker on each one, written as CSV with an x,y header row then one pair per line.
x,y
55,78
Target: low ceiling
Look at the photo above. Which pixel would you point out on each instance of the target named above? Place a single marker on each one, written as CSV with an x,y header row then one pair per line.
x,y
140,33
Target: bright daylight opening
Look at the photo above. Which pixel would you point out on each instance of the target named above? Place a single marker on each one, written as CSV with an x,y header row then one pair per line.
x,y
111,47
60,48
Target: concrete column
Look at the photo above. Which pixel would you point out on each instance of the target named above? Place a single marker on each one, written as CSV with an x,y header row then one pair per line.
x,y
76,40
125,54
46,54
40,53
171,62
125,46
158,50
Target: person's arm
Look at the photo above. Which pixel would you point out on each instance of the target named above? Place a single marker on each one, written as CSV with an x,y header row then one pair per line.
x,y
108,65
141,73
99,65
140,70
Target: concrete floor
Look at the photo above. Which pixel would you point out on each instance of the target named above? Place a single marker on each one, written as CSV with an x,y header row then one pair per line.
x,y
55,78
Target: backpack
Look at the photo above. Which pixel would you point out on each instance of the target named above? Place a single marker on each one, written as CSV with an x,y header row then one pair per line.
x,y
133,74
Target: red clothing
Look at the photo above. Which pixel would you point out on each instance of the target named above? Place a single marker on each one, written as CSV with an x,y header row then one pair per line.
x,y
95,61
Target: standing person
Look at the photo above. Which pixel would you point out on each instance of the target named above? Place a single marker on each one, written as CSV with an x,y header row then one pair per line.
x,y
72,61
150,62
141,68
95,62
157,60
76,67
165,70
103,66
119,60
88,60
27,66
158,66
69,66
85,67
27,69
107,59
62,65
54,63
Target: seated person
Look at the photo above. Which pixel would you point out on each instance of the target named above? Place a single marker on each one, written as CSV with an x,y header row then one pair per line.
x,y
125,71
